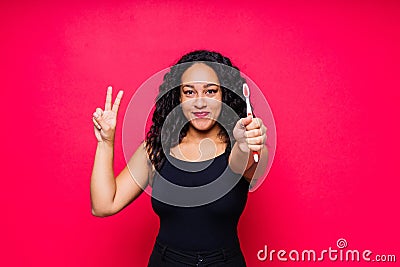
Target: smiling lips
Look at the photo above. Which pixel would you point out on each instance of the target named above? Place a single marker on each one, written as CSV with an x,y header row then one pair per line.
x,y
201,114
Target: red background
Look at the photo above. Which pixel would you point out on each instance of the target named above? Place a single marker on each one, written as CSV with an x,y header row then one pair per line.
x,y
330,73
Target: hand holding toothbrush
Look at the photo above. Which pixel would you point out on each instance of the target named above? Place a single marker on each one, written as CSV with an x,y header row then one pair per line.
x,y
249,132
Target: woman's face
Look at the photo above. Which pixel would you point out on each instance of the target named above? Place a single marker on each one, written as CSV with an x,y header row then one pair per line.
x,y
201,96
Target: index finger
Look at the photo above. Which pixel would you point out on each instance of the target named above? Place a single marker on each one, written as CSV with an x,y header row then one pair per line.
x,y
108,98
256,123
247,120
117,101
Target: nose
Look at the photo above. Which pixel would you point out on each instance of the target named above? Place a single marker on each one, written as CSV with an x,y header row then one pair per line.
x,y
200,102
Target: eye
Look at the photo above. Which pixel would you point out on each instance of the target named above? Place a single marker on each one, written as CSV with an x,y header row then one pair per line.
x,y
188,92
212,91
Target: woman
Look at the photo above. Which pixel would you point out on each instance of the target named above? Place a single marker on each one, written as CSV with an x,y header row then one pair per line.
x,y
194,142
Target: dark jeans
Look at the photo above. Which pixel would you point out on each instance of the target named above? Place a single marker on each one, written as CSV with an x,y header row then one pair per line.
x,y
164,256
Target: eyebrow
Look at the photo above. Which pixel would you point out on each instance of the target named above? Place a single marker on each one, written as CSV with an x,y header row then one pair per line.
x,y
205,86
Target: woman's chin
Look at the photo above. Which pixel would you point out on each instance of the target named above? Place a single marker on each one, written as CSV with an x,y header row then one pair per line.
x,y
202,124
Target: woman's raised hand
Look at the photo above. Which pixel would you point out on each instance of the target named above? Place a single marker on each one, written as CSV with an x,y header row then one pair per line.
x,y
106,121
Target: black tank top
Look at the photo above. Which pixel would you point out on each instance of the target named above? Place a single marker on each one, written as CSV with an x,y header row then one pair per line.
x,y
198,220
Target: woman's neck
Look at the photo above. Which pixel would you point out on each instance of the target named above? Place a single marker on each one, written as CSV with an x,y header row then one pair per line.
x,y
199,145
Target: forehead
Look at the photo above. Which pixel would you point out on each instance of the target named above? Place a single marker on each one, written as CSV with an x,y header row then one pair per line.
x,y
199,72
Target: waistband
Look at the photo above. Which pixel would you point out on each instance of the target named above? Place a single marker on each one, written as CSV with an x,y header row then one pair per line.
x,y
196,258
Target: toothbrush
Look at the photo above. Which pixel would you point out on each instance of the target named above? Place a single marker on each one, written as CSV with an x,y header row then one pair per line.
x,y
246,93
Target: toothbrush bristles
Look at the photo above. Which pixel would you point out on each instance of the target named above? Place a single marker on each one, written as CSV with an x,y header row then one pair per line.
x,y
246,91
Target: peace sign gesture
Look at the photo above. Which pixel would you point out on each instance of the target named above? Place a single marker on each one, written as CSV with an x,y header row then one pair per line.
x,y
106,121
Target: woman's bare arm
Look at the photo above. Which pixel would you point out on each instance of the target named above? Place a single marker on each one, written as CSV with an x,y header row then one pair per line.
x,y
243,163
109,194
250,135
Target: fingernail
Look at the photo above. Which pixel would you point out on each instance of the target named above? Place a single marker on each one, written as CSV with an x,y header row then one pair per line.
x,y
95,115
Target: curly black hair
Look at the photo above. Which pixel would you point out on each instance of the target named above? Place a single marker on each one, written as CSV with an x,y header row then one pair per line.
x,y
162,137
